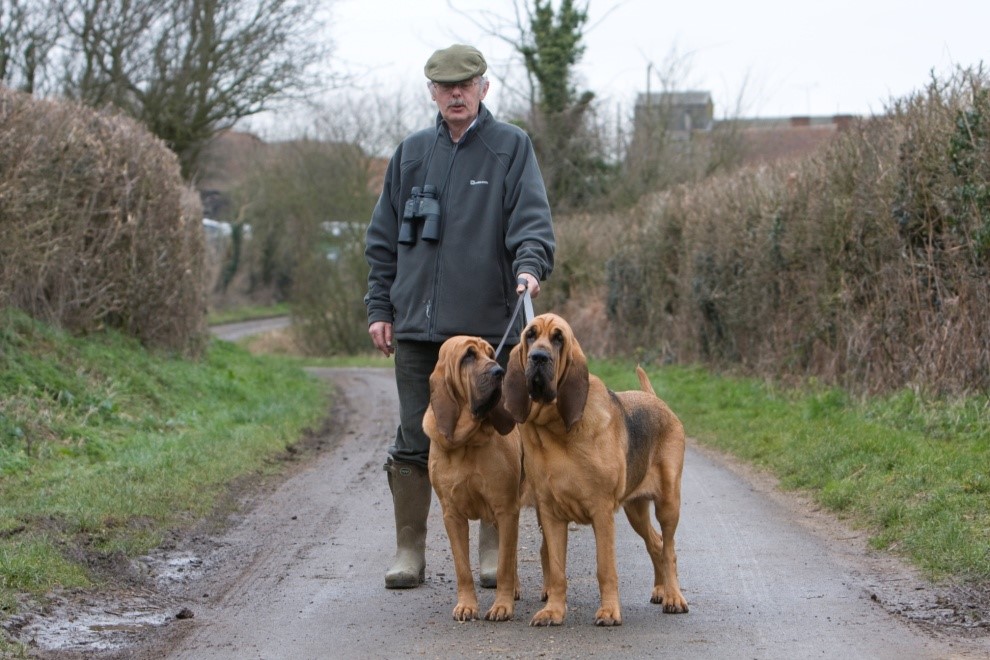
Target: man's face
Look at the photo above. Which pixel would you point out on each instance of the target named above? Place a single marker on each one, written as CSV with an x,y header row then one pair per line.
x,y
459,102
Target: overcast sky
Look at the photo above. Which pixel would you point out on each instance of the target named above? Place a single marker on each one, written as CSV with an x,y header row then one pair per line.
x,y
778,58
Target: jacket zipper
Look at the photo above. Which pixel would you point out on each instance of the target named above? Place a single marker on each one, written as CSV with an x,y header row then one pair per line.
x,y
432,317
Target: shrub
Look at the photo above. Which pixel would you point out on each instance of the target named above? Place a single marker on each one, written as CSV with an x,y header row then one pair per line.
x,y
98,227
866,265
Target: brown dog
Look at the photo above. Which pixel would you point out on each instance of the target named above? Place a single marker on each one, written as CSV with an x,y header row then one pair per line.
x,y
475,465
588,451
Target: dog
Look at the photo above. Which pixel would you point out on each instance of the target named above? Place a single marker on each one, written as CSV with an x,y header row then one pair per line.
x,y
587,451
475,466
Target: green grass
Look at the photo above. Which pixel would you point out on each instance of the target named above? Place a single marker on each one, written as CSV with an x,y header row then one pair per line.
x,y
105,447
913,471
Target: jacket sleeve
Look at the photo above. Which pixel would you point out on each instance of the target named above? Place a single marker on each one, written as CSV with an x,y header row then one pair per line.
x,y
529,229
381,239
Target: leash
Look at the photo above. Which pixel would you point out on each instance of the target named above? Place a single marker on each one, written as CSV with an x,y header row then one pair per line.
x,y
525,302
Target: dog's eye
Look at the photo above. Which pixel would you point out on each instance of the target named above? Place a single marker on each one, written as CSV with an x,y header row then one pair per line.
x,y
531,334
469,357
557,338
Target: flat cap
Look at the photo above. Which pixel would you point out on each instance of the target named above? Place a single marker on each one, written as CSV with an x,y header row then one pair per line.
x,y
454,64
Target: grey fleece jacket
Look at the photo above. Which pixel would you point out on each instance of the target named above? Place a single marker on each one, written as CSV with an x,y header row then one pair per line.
x,y
495,224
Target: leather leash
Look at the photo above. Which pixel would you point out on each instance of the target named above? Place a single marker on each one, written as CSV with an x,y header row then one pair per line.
x,y
525,302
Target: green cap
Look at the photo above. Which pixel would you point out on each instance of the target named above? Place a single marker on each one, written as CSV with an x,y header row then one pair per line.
x,y
454,64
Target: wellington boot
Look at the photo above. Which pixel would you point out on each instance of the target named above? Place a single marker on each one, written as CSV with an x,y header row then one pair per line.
x,y
487,554
411,493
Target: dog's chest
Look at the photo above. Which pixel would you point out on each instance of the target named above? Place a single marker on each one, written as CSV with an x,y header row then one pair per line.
x,y
573,478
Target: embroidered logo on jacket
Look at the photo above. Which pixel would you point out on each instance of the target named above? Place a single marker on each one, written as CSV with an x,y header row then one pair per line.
x,y
478,183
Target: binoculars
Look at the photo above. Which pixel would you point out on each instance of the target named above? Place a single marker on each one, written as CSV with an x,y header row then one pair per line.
x,y
424,205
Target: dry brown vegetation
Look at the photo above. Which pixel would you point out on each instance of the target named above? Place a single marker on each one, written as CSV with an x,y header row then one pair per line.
x,y
866,266
98,228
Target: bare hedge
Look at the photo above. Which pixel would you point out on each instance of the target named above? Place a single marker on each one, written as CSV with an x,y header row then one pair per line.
x,y
867,266
98,229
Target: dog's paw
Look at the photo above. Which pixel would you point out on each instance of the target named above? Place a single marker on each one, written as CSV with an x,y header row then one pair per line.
x,y
673,603
548,616
499,612
466,612
608,616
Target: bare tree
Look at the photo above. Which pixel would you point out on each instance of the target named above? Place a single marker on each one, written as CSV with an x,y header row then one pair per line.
x,y
28,33
191,68
560,117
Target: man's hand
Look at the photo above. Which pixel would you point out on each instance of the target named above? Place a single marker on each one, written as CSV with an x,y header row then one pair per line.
x,y
532,284
381,336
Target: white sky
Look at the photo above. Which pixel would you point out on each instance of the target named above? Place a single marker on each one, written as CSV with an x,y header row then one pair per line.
x,y
756,57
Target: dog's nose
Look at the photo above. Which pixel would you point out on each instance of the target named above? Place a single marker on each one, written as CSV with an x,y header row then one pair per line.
x,y
497,370
539,356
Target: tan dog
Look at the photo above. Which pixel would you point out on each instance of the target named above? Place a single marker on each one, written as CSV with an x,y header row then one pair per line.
x,y
588,451
475,465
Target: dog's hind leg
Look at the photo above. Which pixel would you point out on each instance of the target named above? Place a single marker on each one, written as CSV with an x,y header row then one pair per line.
x,y
638,513
668,511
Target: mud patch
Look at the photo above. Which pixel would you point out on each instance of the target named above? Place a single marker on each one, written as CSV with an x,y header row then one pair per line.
x,y
80,623
961,607
86,623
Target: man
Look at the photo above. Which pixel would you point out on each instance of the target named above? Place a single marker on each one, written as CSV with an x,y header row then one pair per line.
x,y
463,216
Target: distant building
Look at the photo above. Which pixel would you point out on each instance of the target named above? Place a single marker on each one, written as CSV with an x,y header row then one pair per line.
x,y
679,112
678,117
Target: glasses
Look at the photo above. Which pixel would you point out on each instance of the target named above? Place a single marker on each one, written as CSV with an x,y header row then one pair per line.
x,y
464,85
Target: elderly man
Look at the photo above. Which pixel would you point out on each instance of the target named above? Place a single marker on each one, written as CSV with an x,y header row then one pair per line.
x,y
462,218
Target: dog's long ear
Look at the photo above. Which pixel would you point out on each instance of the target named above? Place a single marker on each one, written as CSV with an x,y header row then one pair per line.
x,y
515,393
445,408
501,419
572,390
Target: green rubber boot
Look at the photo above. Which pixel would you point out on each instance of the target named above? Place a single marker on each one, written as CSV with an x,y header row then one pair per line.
x,y
411,493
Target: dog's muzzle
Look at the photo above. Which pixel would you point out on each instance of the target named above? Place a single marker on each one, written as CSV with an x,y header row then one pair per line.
x,y
489,390
540,377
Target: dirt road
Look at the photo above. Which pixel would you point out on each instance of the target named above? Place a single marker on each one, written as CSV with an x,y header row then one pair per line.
x,y
300,575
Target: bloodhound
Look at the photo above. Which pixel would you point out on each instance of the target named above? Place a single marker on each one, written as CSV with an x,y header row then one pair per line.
x,y
475,465
587,451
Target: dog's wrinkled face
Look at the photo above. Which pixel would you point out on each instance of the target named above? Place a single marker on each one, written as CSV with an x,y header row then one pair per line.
x,y
472,373
544,341
546,367
467,378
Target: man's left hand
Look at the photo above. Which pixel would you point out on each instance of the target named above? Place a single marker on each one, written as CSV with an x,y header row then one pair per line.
x,y
532,284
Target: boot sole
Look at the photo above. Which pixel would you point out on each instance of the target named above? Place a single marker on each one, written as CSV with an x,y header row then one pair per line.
x,y
405,580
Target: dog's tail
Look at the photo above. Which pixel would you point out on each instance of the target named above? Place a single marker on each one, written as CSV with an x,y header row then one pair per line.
x,y
644,381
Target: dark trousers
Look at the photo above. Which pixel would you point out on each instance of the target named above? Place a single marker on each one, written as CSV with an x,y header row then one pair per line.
x,y
414,362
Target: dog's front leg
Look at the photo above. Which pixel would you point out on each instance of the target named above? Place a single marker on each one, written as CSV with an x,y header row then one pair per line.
x,y
609,614
507,590
467,599
554,572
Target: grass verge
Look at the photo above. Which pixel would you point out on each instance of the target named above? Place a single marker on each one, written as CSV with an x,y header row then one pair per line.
x,y
105,447
909,469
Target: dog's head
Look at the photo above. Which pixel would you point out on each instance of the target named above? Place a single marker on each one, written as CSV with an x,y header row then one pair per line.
x,y
466,388
547,366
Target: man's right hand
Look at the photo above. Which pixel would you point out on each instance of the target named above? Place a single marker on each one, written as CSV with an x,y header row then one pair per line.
x,y
381,336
